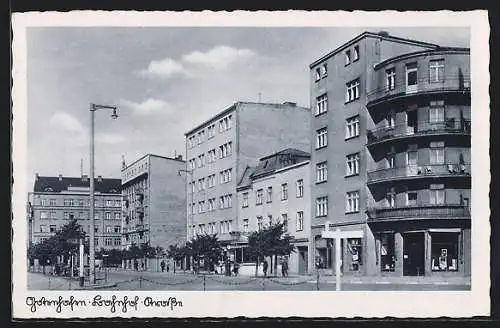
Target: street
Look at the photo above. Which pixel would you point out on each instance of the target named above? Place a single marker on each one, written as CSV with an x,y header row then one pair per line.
x,y
131,280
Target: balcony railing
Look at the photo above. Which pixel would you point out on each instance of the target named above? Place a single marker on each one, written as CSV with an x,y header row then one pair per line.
x,y
428,170
449,83
135,228
450,126
428,211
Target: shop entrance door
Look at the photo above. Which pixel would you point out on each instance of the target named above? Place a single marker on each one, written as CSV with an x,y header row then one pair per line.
x,y
413,254
302,260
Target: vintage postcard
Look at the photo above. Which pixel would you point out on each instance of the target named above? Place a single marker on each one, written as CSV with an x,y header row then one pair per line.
x,y
255,164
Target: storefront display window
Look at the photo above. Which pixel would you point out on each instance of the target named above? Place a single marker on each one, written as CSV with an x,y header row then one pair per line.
x,y
444,251
387,254
354,252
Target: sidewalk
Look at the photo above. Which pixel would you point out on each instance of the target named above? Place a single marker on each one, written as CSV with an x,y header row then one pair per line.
x,y
40,281
405,280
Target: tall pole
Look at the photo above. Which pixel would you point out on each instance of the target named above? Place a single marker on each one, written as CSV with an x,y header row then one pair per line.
x,y
81,262
337,260
92,218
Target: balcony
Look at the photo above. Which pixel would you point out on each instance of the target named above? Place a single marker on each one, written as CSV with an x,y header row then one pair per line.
x,y
429,211
451,83
450,127
419,172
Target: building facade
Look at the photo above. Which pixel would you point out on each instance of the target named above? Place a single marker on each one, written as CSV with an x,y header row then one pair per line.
x,y
391,156
154,202
219,150
278,190
55,201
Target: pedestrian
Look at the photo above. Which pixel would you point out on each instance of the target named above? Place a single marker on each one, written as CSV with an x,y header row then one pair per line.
x,y
136,265
236,267
284,268
142,265
264,268
162,264
168,267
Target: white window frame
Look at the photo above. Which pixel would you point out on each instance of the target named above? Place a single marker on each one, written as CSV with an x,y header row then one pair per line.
x,y
437,111
390,79
355,56
352,127
321,104
352,201
284,191
244,200
321,138
245,225
352,90
352,164
347,57
269,194
322,206
299,188
436,70
259,195
321,172
300,221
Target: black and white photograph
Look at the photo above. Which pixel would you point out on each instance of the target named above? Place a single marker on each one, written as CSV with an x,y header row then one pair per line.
x,y
178,164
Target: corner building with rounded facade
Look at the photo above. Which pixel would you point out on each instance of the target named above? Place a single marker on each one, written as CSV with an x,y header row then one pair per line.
x,y
391,156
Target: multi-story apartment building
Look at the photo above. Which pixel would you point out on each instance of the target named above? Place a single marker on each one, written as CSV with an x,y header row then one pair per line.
x,y
154,202
278,190
55,201
391,156
219,150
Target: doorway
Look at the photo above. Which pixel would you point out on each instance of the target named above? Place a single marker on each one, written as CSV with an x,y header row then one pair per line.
x,y
411,122
411,163
303,260
413,254
411,78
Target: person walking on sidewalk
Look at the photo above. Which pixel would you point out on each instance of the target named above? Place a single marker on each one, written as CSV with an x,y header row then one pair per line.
x,y
284,268
162,264
264,268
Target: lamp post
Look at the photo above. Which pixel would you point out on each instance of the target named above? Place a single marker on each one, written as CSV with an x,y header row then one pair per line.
x,y
189,224
114,115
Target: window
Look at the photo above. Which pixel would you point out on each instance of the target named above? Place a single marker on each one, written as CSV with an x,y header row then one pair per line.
x,y
352,90
352,164
66,202
321,138
300,221
436,71
43,202
66,215
53,215
436,150
411,198
352,127
44,215
108,241
108,215
211,204
387,252
81,202
437,194
43,228
347,57
390,78
324,70
258,196
118,203
225,176
192,141
322,206
259,223
192,164
352,202
225,201
391,198
284,191
321,104
354,253
109,229
356,53
201,136
52,202
284,218
245,225
117,241
211,131
212,155
225,123
269,195
117,216
225,150
211,180
321,172
244,201
436,111
300,188
411,75
96,228
390,119
117,229
444,251
109,203
52,228
317,74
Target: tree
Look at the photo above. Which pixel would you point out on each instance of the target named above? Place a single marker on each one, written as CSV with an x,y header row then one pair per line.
x,y
205,247
176,253
270,241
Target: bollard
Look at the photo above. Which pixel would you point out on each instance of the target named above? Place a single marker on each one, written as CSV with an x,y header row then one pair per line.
x,y
204,283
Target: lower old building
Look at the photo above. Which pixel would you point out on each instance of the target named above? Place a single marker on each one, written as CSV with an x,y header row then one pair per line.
x,y
277,190
154,203
56,200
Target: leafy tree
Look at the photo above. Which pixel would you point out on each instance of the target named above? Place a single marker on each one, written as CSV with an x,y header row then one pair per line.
x,y
270,241
176,253
205,247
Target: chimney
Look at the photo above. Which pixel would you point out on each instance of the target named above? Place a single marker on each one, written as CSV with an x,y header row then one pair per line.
x,y
99,178
290,103
60,177
179,157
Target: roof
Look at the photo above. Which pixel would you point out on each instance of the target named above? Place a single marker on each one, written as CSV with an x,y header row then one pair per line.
x,y
246,180
153,155
269,164
60,184
233,106
380,35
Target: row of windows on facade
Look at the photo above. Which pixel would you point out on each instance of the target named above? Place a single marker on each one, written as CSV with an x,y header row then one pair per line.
x,y
352,130
437,114
299,222
259,193
107,241
79,202
135,170
197,139
352,203
81,215
436,193
225,201
436,157
108,228
322,71
225,176
201,160
211,228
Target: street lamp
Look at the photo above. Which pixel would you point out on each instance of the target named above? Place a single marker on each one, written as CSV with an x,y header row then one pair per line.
x,y
189,224
114,115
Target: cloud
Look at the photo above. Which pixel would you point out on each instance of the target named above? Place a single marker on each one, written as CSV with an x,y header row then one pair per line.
x,y
149,106
109,138
66,122
219,57
162,68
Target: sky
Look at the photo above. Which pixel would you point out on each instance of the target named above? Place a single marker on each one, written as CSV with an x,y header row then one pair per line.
x,y
165,81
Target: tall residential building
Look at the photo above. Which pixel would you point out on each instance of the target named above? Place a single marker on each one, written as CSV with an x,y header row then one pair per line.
x,y
154,202
219,150
391,155
278,190
55,201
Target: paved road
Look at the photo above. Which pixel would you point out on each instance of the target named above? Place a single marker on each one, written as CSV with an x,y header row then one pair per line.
x,y
162,281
